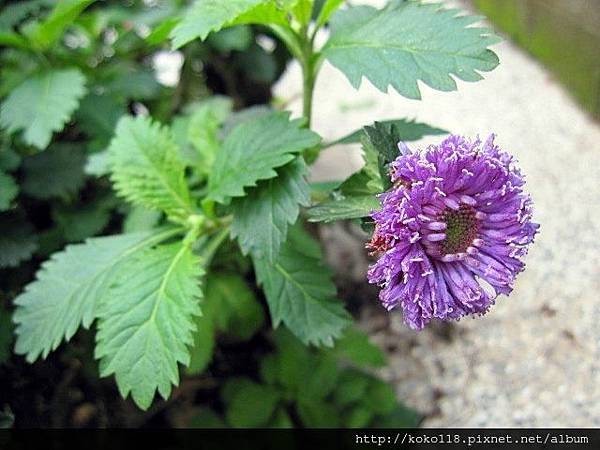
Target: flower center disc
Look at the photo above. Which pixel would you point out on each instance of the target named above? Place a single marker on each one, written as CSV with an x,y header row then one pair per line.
x,y
461,229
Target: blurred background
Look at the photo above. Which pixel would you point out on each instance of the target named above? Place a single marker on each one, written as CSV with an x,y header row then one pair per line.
x,y
534,360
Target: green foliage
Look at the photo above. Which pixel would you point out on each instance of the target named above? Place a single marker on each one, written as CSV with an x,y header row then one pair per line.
x,y
407,130
146,168
42,35
78,222
259,145
300,292
230,307
203,130
328,8
206,16
261,218
393,46
8,191
54,173
356,197
17,240
355,346
249,404
68,289
42,105
215,172
146,321
346,208
319,386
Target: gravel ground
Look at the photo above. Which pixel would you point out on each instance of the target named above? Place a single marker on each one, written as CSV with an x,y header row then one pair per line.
x,y
534,360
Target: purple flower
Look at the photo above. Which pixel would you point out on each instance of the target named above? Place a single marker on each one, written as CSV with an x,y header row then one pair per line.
x,y
452,232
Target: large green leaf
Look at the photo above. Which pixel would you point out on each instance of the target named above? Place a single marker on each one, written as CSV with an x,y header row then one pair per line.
x,y
146,321
261,218
408,130
146,168
206,16
300,292
253,150
69,287
42,105
409,41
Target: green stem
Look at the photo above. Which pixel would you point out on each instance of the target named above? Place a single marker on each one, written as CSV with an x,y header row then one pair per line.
x,y
308,88
211,248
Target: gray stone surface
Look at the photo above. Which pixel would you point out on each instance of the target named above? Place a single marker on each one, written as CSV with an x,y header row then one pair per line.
x,y
534,359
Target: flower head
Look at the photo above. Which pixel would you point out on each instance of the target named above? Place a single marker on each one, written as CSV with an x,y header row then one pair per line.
x,y
451,232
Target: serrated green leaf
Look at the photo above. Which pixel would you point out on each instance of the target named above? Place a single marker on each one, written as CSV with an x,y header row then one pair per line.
x,y
8,190
69,287
146,321
261,218
393,47
206,16
56,172
203,129
141,219
18,240
253,150
98,164
408,130
343,209
378,181
300,292
44,34
249,404
42,105
146,169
